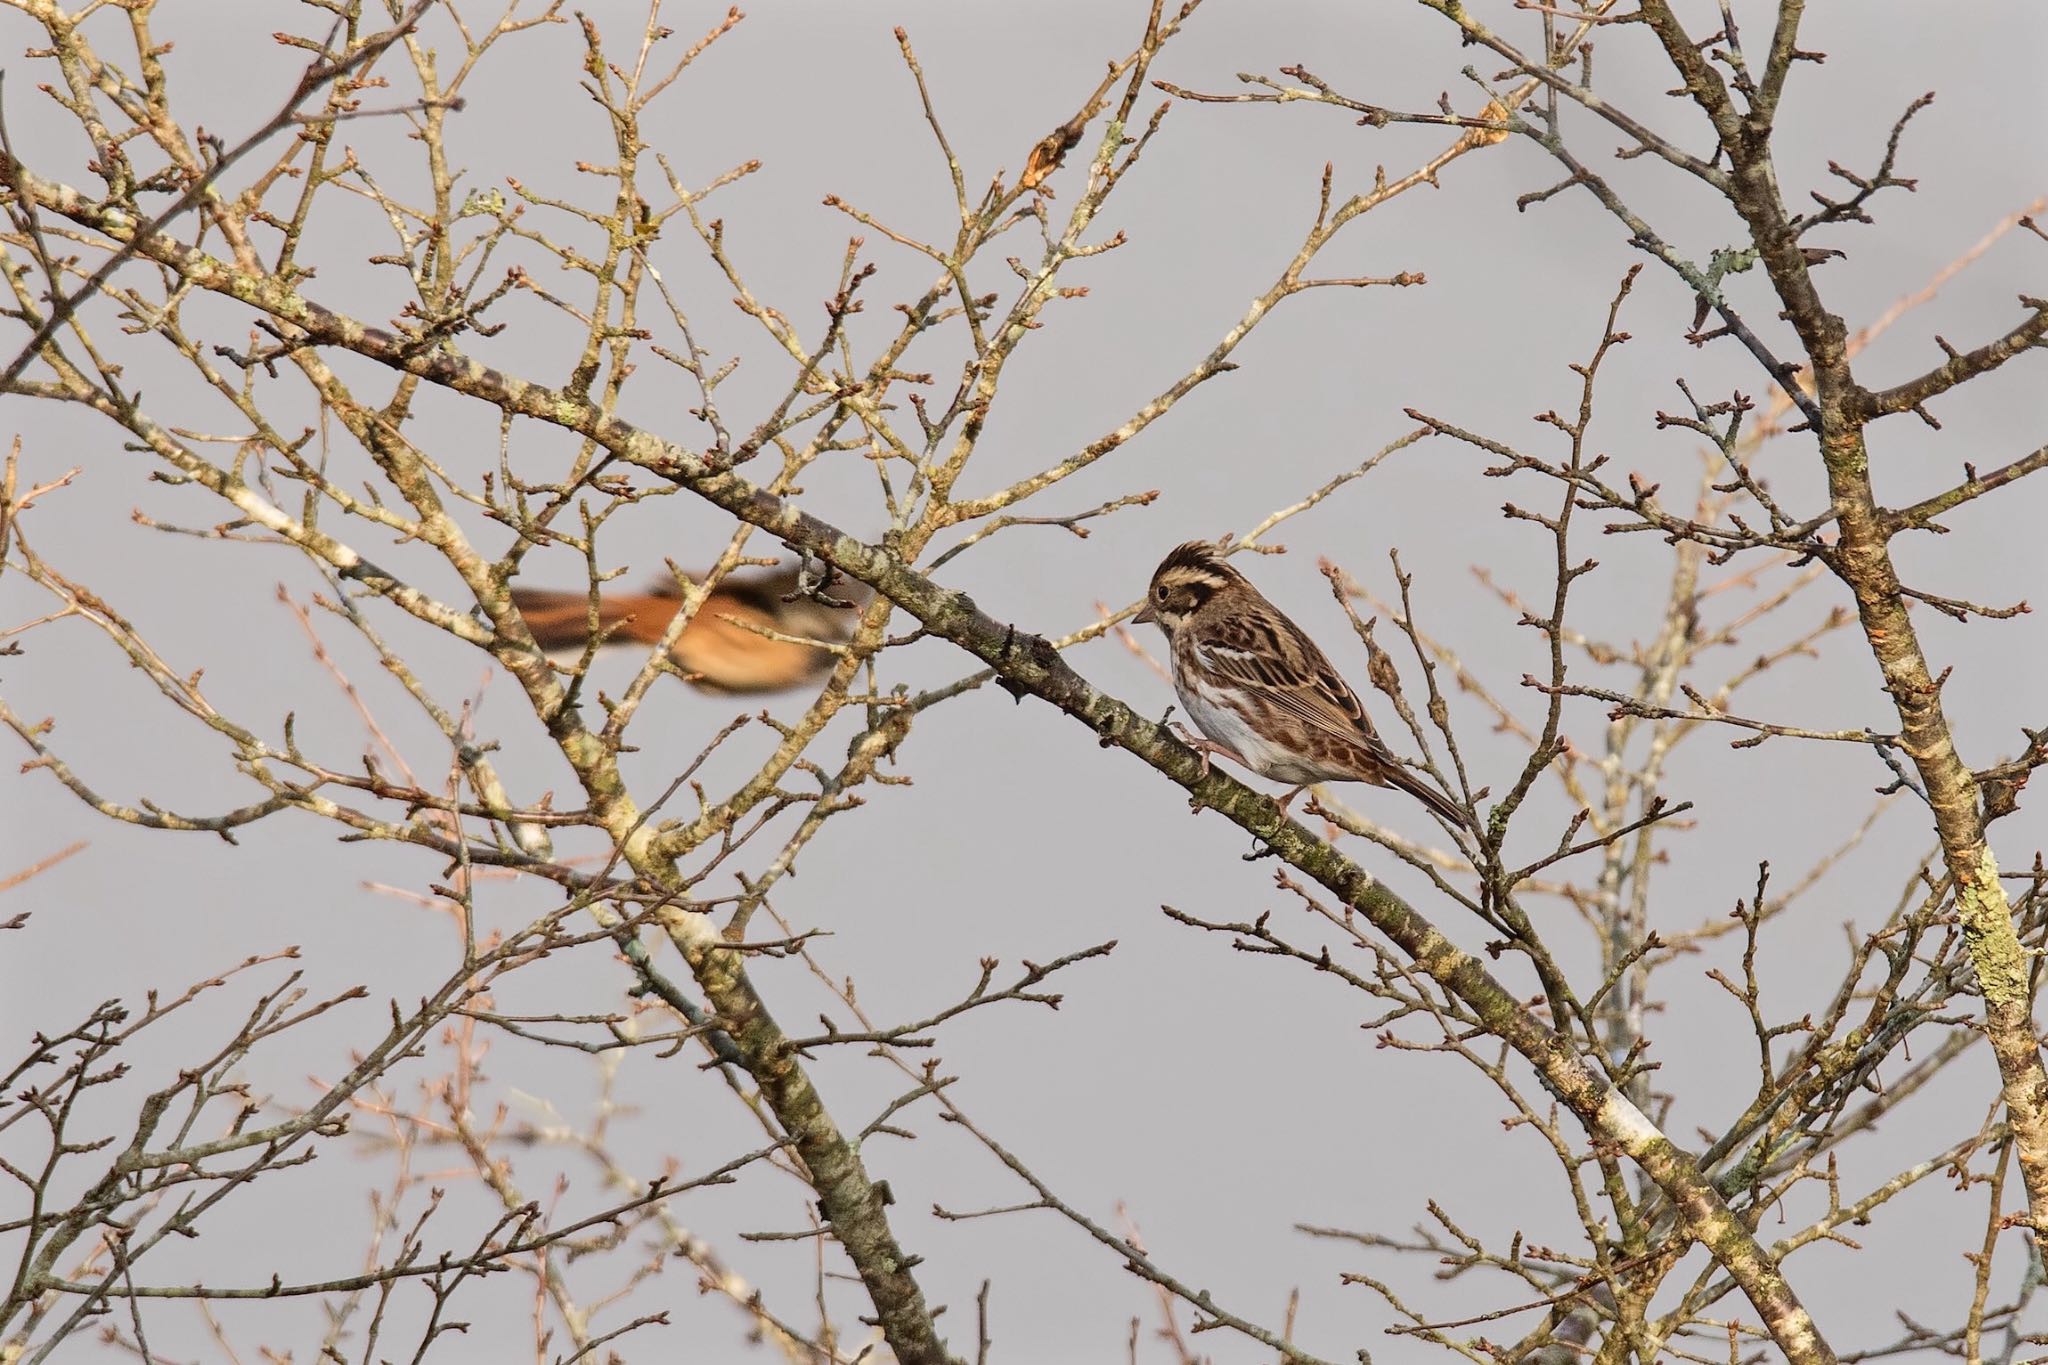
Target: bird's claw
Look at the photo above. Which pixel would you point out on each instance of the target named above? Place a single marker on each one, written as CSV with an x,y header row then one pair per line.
x,y
1205,747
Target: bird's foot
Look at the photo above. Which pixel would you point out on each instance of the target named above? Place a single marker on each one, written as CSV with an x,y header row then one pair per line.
x,y
1207,748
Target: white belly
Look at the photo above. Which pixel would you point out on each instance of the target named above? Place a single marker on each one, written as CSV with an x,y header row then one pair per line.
x,y
1223,724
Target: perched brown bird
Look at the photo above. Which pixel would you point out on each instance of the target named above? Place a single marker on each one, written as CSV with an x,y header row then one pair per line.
x,y
1261,691
716,650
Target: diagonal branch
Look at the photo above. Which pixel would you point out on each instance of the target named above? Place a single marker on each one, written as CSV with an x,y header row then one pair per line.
x,y
1921,514
1960,367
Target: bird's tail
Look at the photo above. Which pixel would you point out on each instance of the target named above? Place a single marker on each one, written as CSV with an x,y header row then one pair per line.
x,y
1407,780
560,621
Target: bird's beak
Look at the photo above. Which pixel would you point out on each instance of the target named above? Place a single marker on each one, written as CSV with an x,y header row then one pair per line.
x,y
1144,615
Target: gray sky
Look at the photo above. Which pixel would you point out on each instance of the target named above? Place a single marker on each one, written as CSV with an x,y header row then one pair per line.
x,y
1220,1099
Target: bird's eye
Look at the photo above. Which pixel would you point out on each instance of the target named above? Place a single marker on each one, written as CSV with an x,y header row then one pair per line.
x,y
1159,593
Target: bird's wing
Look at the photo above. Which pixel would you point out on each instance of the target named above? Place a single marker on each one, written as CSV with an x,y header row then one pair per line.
x,y
1266,653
